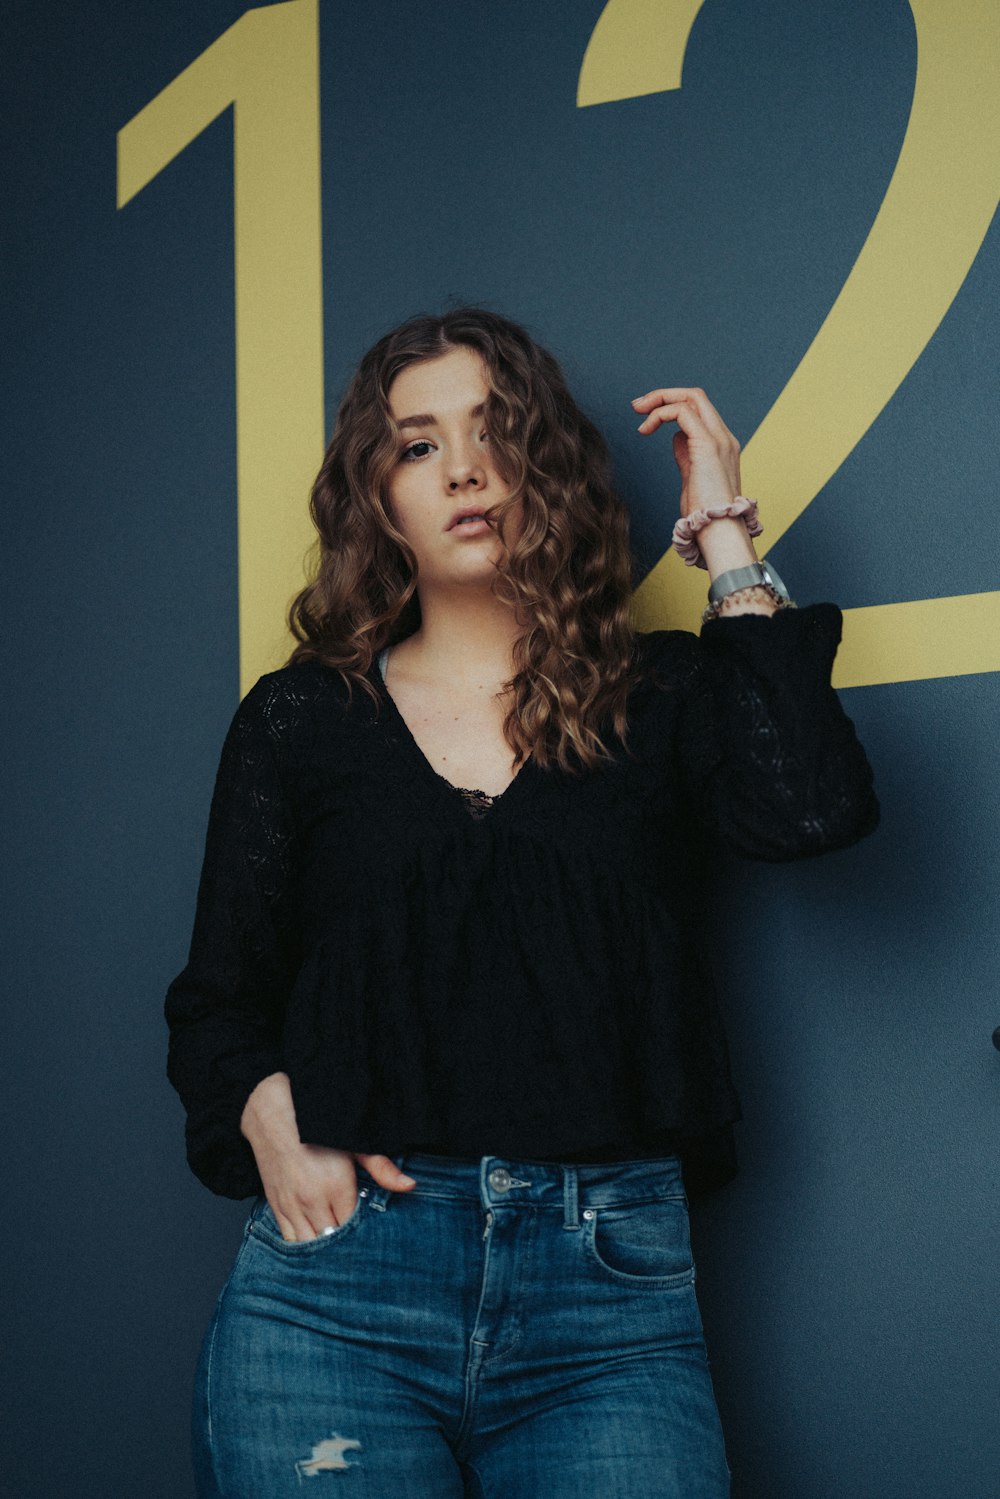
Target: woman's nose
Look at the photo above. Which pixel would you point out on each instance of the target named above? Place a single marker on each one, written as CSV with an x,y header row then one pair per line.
x,y
465,468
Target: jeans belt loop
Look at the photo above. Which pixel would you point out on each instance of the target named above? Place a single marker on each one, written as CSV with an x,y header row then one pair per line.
x,y
571,1217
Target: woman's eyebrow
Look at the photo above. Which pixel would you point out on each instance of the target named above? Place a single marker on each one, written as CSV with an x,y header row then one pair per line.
x,y
426,420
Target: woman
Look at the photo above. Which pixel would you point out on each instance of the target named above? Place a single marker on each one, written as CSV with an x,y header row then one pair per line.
x,y
448,1015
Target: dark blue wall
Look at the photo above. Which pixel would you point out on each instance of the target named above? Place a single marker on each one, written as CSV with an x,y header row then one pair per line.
x,y
848,1278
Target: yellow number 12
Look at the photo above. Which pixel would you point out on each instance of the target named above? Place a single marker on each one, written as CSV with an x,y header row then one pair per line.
x,y
932,221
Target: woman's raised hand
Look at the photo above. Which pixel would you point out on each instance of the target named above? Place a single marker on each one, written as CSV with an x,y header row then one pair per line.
x,y
707,453
311,1188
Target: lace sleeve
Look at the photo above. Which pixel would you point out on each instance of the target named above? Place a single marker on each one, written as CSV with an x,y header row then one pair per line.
x,y
768,757
224,1009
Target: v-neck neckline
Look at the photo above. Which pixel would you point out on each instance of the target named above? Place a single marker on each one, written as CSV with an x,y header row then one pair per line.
x,y
458,793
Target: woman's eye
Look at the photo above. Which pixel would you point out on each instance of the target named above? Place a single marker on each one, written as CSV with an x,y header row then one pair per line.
x,y
416,450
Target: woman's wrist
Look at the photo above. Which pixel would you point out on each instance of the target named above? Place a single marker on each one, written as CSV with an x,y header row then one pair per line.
x,y
726,544
690,527
269,1109
719,538
757,598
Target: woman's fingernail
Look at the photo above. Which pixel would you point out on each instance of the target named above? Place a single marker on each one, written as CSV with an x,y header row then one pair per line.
x,y
411,1179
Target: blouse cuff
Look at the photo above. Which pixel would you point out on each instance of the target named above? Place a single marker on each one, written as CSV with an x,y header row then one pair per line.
x,y
780,636
218,1152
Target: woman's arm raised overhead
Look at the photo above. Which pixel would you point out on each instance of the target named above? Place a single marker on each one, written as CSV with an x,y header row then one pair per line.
x,y
768,756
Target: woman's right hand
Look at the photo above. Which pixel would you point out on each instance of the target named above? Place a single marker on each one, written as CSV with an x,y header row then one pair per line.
x,y
310,1188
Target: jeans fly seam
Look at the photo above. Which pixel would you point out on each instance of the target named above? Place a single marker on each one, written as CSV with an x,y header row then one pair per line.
x,y
471,1380
515,1295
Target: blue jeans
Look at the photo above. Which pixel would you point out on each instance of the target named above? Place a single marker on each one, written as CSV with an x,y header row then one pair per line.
x,y
506,1329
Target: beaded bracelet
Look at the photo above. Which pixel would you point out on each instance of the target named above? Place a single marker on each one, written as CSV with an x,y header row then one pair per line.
x,y
688,526
714,611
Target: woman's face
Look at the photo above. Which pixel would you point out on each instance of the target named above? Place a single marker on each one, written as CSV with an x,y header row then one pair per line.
x,y
445,466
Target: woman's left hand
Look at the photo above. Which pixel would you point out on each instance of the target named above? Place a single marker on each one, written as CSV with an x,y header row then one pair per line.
x,y
707,453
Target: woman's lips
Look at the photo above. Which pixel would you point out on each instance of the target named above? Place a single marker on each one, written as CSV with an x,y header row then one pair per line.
x,y
470,527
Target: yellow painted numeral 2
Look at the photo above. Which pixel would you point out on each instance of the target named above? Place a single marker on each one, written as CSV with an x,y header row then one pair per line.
x,y
927,232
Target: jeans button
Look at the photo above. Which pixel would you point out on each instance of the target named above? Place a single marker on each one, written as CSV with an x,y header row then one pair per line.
x,y
500,1179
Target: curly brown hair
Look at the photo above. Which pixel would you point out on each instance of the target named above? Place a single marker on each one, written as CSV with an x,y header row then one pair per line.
x,y
569,574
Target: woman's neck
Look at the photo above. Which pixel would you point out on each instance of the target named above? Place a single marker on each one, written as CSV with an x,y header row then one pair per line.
x,y
461,640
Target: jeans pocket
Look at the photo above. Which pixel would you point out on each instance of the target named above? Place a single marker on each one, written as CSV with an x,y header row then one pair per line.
x,y
263,1226
642,1242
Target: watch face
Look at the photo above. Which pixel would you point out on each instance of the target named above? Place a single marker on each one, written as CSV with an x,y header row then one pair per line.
x,y
770,576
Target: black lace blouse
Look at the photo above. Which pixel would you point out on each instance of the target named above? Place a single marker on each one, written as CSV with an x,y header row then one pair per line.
x,y
529,981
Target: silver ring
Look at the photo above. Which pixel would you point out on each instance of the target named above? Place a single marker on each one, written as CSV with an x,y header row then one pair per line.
x,y
328,1231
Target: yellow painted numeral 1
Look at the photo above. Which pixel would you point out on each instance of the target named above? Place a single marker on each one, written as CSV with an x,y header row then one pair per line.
x,y
928,230
267,66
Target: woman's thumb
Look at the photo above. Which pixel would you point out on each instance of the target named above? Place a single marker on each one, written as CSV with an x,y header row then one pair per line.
x,y
681,455
386,1172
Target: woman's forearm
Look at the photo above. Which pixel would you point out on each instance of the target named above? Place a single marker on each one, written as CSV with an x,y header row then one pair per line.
x,y
726,544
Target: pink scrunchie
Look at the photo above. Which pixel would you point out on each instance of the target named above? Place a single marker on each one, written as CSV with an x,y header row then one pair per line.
x,y
689,525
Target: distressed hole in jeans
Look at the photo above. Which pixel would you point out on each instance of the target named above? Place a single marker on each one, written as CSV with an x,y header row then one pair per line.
x,y
327,1457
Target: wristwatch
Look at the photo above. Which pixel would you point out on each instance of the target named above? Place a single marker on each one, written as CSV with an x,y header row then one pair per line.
x,y
746,577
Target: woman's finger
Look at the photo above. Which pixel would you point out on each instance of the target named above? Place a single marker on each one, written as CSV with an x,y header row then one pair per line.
x,y
687,417
667,393
386,1172
302,1219
312,1221
285,1224
693,395
301,1226
663,394
324,1220
342,1205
